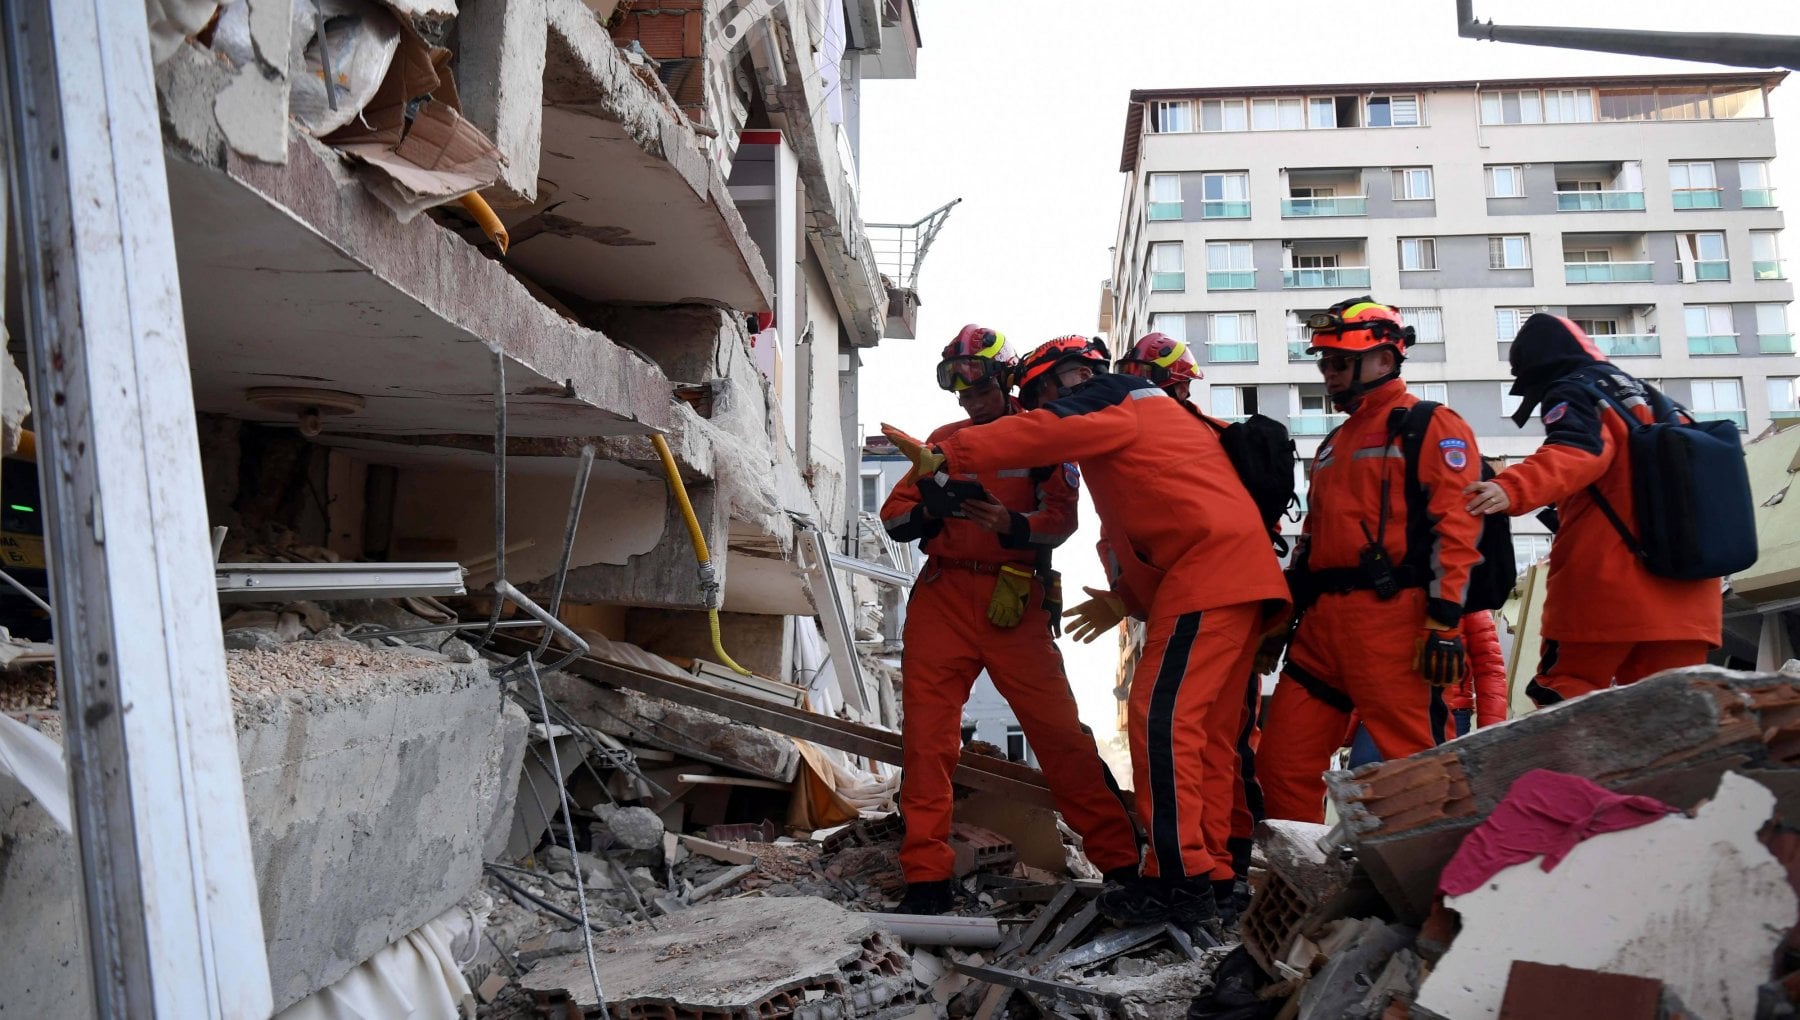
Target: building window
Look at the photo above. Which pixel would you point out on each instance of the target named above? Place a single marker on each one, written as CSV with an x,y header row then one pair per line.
x,y
871,491
1166,271
1232,403
1772,333
1737,101
1512,107
1276,115
1393,111
1165,196
1529,549
1506,182
1230,265
1222,115
1412,183
1225,195
1701,256
1169,117
1765,253
1321,112
1682,104
1784,397
1568,106
1436,391
1755,184
1170,324
1427,323
1627,104
1510,403
1709,330
1015,744
1509,252
1418,253
1694,185
1231,337
1720,400
1508,322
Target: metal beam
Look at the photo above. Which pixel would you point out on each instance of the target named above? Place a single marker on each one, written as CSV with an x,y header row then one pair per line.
x,y
174,928
280,582
976,771
884,574
1737,49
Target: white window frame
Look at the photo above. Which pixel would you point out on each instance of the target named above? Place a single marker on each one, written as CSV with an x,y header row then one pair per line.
x,y
1518,314
1685,171
1528,107
1231,249
1225,178
1222,106
1396,102
1165,178
1424,251
1437,391
1710,388
1713,316
1505,253
1783,393
1765,245
1577,102
1758,168
1313,106
1701,238
1405,178
1235,392
1509,402
1243,322
1158,248
1515,172
1162,108
1282,107
1777,316
1417,317
1166,324
1299,395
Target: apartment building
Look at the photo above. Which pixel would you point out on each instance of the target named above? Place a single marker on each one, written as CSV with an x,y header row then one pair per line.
x,y
1643,208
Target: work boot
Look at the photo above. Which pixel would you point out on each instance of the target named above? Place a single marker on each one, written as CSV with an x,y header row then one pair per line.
x,y
1231,896
927,898
1144,900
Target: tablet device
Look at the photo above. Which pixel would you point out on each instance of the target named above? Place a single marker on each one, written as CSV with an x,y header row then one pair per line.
x,y
945,499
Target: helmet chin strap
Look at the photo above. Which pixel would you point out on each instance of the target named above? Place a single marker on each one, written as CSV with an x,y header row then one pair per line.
x,y
1353,394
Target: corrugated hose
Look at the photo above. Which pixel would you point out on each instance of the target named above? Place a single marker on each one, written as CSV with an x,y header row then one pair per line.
x,y
709,579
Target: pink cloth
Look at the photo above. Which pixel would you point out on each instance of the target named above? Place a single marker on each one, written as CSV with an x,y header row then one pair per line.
x,y
1544,813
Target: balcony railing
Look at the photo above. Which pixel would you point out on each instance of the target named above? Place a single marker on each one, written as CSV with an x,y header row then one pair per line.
x,y
1231,279
1769,269
1348,205
1599,201
1712,269
1337,276
1297,350
1784,413
1707,345
1696,198
1775,343
1165,210
1231,353
1736,417
1628,345
1759,198
1224,208
1313,423
1607,272
1168,281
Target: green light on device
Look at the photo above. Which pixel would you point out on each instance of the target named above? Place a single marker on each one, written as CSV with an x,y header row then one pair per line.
x,y
22,509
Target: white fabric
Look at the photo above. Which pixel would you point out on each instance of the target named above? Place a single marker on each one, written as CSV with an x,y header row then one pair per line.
x,y
36,761
416,978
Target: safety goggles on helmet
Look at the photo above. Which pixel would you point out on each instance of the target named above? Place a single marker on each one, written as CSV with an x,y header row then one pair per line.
x,y
967,373
1381,321
1042,364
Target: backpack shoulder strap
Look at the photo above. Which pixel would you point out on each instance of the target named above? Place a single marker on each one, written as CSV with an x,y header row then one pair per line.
x,y
1606,508
1411,425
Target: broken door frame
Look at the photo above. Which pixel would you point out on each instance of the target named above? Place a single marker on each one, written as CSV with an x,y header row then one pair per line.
x,y
174,926
815,558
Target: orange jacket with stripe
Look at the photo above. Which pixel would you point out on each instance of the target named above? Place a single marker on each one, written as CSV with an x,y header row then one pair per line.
x,y
1043,502
1598,591
1188,534
1362,460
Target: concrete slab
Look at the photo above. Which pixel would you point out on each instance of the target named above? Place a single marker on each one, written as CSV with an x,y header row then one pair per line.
x,y
782,956
691,731
1698,902
295,276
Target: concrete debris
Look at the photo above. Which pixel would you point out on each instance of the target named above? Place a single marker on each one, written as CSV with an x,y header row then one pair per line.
x,y
635,828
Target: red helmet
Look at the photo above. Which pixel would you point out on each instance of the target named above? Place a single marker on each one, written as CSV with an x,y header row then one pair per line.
x,y
977,355
1358,326
1041,362
1161,359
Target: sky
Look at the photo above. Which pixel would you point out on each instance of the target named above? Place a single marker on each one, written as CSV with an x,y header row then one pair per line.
x,y
1019,109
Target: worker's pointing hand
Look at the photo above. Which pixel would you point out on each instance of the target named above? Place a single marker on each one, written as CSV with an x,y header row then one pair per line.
x,y
1487,498
925,460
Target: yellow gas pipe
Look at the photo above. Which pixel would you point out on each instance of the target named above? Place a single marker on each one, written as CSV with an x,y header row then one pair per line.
x,y
708,578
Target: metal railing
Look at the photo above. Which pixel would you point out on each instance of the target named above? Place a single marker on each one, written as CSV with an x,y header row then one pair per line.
x,y
1337,276
1599,201
1346,205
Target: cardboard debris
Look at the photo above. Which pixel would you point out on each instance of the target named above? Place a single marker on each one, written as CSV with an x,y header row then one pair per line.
x,y
431,158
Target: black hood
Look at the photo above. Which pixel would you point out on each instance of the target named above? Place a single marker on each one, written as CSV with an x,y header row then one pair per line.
x,y
1547,348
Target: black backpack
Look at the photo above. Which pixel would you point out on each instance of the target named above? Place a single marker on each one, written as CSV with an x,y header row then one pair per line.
x,y
1690,489
1263,454
1491,582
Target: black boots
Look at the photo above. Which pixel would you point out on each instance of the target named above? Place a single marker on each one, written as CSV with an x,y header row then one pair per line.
x,y
927,898
1141,900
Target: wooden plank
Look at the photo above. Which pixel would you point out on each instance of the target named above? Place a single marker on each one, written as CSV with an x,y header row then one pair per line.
x,y
976,771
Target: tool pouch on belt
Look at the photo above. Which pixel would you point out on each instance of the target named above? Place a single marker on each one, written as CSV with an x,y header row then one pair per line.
x,y
1053,600
1012,591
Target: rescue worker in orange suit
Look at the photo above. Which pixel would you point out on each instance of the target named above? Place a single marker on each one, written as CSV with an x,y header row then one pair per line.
x,y
979,604
1607,620
1381,636
1191,546
1169,363
1479,700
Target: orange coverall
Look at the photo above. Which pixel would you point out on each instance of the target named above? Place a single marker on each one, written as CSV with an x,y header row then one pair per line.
x,y
1606,619
1190,544
1354,651
949,641
1484,688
